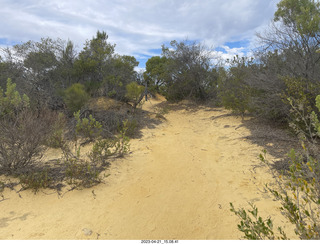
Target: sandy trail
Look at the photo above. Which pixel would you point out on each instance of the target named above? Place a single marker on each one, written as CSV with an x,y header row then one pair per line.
x,y
176,184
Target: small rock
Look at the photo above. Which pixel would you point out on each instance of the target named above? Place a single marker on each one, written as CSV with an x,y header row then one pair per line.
x,y
87,231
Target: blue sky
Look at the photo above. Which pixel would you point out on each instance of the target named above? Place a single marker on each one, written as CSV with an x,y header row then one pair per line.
x,y
139,27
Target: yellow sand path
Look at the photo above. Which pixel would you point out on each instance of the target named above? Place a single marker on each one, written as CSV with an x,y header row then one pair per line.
x,y
176,184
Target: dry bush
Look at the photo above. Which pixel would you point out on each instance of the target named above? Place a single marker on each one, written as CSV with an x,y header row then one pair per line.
x,y
22,138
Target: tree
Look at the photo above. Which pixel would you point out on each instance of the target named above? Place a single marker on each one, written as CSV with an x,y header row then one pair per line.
x,y
287,53
189,71
295,32
233,91
121,73
38,62
156,73
65,68
135,93
93,62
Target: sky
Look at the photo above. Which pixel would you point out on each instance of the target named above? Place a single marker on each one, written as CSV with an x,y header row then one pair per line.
x,y
139,27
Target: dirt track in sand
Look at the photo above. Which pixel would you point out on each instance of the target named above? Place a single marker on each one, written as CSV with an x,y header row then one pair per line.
x,y
176,184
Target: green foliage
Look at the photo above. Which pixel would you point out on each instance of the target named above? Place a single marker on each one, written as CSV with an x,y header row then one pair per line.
x,y
56,138
102,150
84,129
134,93
298,188
233,91
80,173
188,70
299,191
122,141
35,180
11,101
303,14
89,128
255,227
300,93
303,118
2,187
156,72
303,123
299,195
132,125
75,97
300,89
93,60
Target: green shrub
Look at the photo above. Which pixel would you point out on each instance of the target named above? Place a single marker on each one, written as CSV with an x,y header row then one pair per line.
x,y
88,128
75,97
134,93
80,173
122,141
84,130
102,150
299,195
10,101
2,186
56,138
235,95
254,227
35,180
298,188
131,127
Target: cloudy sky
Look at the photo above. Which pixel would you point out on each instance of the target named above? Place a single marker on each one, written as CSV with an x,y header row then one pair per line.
x,y
138,27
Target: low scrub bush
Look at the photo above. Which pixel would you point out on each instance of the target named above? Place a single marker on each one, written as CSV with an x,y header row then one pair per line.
x,y
298,188
80,173
23,131
130,126
87,127
234,94
75,97
22,138
299,195
56,138
35,180
102,150
134,93
122,141
2,186
255,227
11,102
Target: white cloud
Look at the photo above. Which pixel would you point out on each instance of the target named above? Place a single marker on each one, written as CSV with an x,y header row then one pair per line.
x,y
136,26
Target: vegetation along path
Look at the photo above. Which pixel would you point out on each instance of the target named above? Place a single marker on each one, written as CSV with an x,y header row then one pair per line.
x,y
176,184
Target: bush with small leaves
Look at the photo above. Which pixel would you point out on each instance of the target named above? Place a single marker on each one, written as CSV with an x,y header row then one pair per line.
x,y
35,180
134,93
75,97
2,186
56,138
79,173
254,227
299,187
23,137
88,128
122,141
11,102
299,194
102,150
132,125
